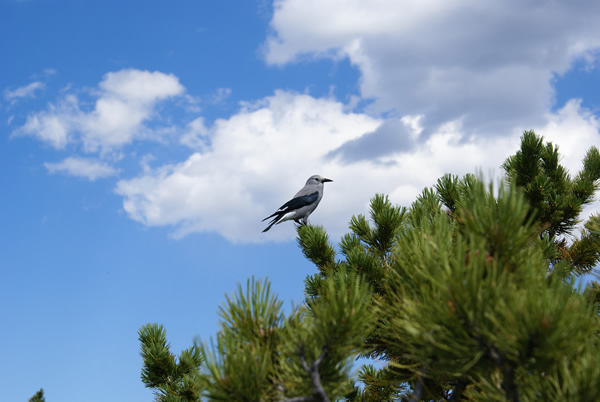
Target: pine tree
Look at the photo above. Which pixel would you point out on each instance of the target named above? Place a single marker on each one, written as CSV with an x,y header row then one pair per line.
x,y
465,303
262,355
173,379
259,354
556,199
38,397
469,293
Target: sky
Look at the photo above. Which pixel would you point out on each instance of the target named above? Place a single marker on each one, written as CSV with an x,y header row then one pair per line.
x,y
142,143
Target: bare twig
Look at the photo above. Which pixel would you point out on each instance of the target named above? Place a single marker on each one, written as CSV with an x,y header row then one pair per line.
x,y
319,394
508,374
419,389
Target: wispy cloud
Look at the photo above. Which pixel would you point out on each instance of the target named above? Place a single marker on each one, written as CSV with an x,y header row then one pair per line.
x,y
47,72
56,125
27,91
196,135
88,168
220,95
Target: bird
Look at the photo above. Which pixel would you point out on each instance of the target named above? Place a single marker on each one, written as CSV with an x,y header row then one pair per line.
x,y
302,205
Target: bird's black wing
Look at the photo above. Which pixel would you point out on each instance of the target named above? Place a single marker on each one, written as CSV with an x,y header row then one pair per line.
x,y
295,203
299,202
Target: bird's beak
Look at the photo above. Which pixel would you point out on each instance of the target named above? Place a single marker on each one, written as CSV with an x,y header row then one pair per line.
x,y
325,180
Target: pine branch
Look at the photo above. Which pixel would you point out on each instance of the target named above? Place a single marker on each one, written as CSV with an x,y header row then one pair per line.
x,y
314,242
38,397
319,394
508,374
419,389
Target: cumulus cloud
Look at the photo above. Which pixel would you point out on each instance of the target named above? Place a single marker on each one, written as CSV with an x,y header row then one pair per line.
x,y
489,65
574,128
125,100
452,85
254,161
393,136
88,168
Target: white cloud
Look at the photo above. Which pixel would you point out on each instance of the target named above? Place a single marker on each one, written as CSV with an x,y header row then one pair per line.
x,y
257,159
126,100
460,79
196,135
140,87
56,125
254,160
47,72
574,129
489,64
27,91
220,95
89,168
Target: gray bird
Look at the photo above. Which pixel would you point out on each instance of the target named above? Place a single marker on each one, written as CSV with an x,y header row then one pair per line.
x,y
302,205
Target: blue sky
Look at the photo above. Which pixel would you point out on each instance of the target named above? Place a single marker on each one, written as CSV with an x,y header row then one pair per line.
x,y
142,144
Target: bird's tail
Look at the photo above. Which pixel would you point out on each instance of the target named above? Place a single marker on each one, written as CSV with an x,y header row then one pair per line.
x,y
273,222
270,216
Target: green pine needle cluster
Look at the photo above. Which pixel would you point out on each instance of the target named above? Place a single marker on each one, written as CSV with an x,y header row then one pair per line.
x,y
557,199
172,378
38,397
468,294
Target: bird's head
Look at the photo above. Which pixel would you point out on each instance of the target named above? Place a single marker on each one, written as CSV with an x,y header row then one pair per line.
x,y
317,179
